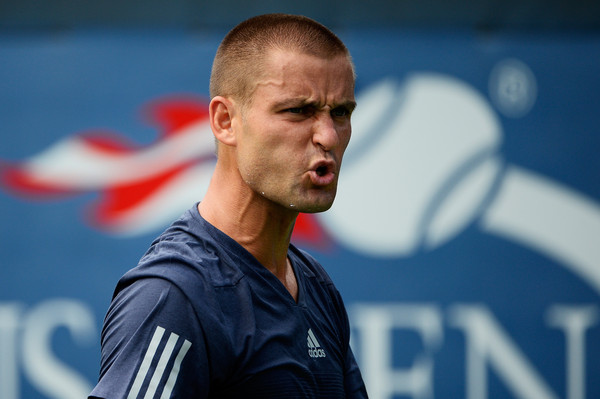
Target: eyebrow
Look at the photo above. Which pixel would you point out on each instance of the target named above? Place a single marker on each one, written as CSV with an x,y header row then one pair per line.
x,y
302,102
351,105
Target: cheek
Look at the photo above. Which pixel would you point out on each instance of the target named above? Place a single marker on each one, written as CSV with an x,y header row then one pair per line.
x,y
345,138
265,160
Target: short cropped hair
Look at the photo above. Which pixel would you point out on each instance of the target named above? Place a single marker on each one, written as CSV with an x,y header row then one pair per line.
x,y
240,57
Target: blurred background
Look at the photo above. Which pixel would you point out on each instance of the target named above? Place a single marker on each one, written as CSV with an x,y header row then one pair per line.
x,y
465,238
198,15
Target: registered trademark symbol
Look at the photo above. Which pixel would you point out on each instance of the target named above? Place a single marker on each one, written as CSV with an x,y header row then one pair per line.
x,y
513,88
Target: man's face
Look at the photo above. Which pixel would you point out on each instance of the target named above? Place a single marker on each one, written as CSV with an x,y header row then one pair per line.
x,y
295,130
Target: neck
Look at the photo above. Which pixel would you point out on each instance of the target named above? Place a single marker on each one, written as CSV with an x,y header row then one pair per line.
x,y
263,228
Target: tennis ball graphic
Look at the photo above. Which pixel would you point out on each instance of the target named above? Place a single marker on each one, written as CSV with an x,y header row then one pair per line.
x,y
421,163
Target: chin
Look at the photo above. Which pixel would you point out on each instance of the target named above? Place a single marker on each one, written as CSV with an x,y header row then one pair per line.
x,y
313,207
310,202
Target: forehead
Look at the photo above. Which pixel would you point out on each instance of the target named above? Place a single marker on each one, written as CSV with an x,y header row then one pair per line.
x,y
312,78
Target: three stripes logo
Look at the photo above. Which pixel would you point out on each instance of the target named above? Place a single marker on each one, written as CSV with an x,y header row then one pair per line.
x,y
314,348
161,365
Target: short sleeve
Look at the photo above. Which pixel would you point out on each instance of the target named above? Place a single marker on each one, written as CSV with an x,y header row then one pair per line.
x,y
353,382
152,345
354,385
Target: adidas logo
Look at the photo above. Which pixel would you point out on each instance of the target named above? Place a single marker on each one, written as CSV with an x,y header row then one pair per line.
x,y
314,349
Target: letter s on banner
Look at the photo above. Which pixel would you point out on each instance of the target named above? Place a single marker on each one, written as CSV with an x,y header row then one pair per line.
x,y
46,372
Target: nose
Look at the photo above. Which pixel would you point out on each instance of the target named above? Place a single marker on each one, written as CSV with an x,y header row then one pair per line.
x,y
325,132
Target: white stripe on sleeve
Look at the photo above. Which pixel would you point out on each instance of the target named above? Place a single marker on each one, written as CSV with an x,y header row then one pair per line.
x,y
145,366
161,366
166,394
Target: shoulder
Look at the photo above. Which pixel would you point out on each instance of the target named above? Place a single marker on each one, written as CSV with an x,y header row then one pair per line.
x,y
310,266
186,255
148,301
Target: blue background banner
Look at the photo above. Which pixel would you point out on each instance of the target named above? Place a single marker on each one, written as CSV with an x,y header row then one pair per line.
x,y
465,238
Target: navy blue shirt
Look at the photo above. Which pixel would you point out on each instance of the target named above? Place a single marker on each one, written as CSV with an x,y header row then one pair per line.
x,y
200,317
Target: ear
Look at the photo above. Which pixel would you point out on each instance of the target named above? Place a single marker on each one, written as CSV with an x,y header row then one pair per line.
x,y
221,113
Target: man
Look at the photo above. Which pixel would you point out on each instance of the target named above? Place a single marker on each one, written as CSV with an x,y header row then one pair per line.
x,y
222,305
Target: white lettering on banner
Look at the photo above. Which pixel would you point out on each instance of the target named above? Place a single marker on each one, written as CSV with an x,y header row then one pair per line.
x,y
574,321
43,369
9,374
487,342
487,345
375,324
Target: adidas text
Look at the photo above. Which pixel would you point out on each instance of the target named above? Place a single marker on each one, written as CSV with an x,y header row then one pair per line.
x,y
316,353
314,348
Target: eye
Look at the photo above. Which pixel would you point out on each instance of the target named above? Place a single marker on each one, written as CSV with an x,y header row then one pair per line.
x,y
303,111
340,112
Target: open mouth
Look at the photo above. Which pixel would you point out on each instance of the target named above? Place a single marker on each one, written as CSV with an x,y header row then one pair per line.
x,y
322,170
323,173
